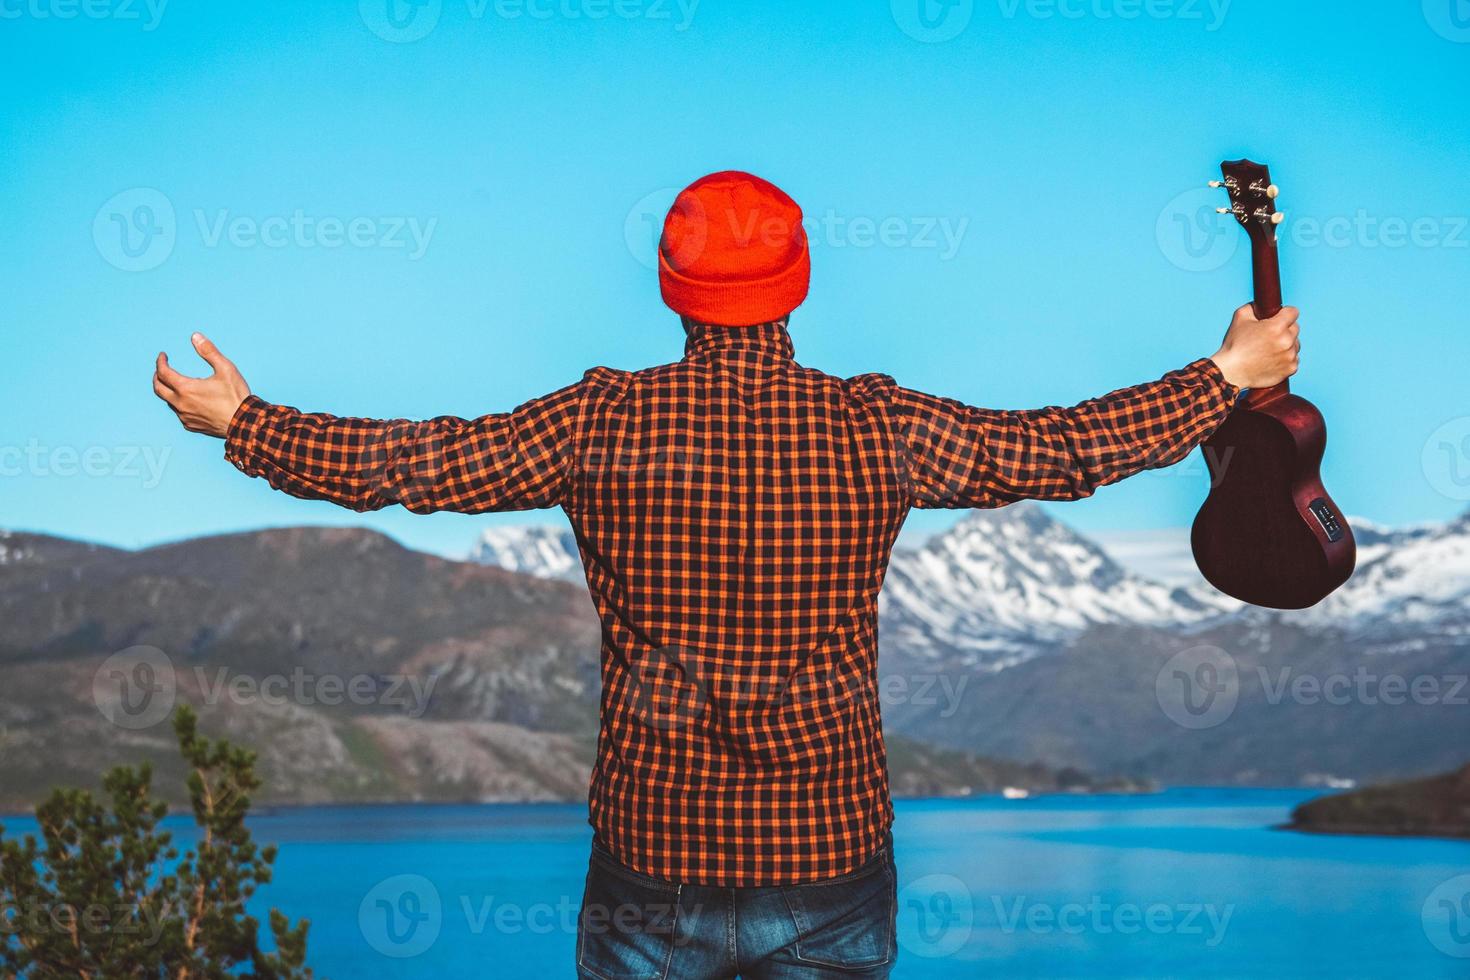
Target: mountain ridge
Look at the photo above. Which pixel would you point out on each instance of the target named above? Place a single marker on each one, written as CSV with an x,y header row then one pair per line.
x,y
1043,647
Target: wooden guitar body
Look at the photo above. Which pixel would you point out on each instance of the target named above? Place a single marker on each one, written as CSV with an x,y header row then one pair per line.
x,y
1269,533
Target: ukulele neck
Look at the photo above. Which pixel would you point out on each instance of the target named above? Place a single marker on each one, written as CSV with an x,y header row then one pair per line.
x,y
1266,278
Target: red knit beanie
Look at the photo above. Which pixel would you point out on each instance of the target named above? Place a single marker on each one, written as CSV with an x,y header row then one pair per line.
x,y
733,251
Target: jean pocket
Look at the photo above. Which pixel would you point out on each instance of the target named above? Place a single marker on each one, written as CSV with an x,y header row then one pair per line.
x,y
850,923
626,929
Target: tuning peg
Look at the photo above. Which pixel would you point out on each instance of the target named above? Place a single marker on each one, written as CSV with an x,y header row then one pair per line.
x,y
1273,192
1223,210
1277,218
1217,183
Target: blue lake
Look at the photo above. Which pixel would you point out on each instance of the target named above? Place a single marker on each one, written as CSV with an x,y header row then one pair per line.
x,y
1183,883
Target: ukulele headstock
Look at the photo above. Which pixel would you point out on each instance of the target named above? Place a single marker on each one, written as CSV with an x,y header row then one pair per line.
x,y
1252,198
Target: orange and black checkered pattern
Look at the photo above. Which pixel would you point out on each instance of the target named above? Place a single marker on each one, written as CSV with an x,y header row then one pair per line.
x,y
735,513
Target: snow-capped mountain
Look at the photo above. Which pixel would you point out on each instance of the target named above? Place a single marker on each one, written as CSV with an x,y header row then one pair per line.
x,y
1412,580
532,549
1376,540
1003,585
997,588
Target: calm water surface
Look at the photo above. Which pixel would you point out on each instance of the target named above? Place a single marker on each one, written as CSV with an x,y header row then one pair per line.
x,y
1184,883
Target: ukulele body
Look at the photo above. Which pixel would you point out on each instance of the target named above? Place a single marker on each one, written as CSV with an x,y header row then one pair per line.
x,y
1269,533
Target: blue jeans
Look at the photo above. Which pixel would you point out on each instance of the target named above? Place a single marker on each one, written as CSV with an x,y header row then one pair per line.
x,y
634,927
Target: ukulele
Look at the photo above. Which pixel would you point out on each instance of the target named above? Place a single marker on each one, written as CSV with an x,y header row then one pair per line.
x,y
1268,533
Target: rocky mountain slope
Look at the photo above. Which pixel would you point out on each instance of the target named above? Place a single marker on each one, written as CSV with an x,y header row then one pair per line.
x,y
358,669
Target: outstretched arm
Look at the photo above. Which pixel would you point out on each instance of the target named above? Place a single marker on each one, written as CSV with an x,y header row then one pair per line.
x,y
508,461
962,456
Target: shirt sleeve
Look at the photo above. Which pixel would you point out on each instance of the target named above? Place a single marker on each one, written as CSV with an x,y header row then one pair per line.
x,y
962,456
518,460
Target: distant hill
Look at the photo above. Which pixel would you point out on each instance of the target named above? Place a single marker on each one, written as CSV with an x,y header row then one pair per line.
x,y
1435,807
470,682
509,664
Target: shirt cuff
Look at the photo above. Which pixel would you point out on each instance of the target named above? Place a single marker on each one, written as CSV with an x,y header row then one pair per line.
x,y
242,438
1206,369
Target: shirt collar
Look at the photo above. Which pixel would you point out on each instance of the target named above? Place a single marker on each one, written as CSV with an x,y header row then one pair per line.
x,y
705,339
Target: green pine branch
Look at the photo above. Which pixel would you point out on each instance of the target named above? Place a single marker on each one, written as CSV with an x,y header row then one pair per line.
x,y
105,893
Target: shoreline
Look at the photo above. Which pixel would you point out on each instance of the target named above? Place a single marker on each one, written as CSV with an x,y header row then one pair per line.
x,y
263,809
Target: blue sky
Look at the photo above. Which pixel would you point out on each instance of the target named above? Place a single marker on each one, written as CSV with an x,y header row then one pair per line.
x,y
449,211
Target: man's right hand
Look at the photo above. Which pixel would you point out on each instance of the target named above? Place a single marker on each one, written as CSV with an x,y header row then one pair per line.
x,y
1260,353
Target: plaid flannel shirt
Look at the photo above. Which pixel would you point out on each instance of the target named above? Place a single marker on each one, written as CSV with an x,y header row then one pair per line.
x,y
735,512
